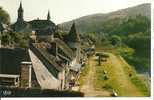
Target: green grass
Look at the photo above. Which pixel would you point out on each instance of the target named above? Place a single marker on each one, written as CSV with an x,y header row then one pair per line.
x,y
110,83
113,81
101,83
140,85
83,74
135,80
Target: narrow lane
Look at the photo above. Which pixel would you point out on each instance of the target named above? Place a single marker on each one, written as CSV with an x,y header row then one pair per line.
x,y
88,86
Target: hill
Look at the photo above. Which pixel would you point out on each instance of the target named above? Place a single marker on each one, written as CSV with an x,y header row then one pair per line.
x,y
92,23
126,31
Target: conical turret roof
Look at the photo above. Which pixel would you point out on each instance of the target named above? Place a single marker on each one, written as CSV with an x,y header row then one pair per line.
x,y
20,7
48,16
73,35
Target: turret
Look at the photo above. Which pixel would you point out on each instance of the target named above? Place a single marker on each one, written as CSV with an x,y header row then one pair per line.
x,y
48,16
73,35
73,41
20,13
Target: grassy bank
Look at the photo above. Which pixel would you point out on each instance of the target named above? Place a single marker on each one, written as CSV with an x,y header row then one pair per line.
x,y
140,85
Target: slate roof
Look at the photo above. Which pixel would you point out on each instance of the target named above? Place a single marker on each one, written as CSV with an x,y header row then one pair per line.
x,y
21,27
10,60
42,24
42,48
63,46
44,54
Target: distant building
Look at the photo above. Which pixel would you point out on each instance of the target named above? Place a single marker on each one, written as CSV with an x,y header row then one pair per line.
x,y
20,25
43,27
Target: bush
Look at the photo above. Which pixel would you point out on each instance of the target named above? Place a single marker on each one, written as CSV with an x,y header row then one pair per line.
x,y
115,40
107,87
106,77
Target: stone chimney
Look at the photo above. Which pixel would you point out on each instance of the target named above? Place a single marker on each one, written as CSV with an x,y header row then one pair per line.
x,y
25,78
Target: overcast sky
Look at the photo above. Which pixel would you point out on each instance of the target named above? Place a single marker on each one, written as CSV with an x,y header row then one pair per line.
x,y
65,10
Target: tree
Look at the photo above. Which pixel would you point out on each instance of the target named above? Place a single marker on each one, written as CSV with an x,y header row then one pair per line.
x,y
115,40
4,16
15,39
5,39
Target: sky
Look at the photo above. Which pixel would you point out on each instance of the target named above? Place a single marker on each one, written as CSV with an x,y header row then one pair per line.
x,y
64,10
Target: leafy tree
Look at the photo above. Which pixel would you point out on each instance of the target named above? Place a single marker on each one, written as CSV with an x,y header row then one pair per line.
x,y
140,42
115,40
16,39
4,16
91,36
134,34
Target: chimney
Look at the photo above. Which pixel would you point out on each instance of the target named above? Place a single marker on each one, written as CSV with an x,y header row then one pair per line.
x,y
53,49
26,74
